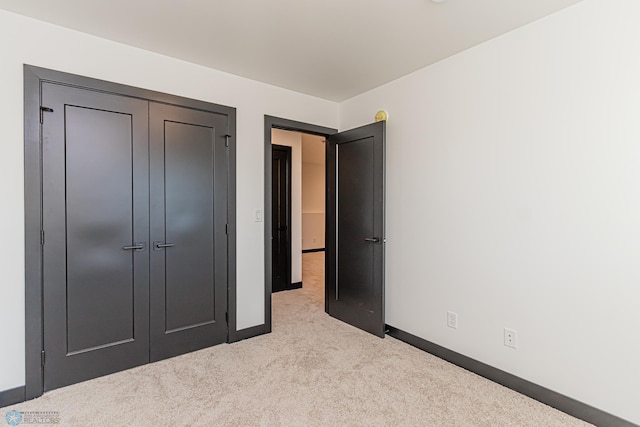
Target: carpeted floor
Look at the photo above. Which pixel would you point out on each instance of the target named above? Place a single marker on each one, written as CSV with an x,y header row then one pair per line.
x,y
311,371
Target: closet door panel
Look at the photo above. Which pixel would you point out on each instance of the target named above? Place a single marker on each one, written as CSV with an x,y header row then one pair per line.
x,y
189,204
95,211
188,219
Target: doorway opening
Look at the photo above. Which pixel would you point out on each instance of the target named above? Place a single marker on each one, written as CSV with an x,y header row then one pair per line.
x,y
298,225
353,273
298,205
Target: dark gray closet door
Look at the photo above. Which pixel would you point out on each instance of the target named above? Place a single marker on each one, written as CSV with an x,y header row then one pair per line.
x,y
355,227
95,256
188,170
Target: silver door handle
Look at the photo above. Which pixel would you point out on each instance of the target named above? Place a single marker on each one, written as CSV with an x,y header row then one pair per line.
x,y
139,247
163,245
372,239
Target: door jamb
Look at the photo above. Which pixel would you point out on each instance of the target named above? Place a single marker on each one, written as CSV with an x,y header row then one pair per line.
x,y
33,78
271,122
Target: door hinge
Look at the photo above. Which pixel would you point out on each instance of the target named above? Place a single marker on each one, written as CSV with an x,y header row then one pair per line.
x,y
226,140
43,110
226,316
226,229
42,237
42,357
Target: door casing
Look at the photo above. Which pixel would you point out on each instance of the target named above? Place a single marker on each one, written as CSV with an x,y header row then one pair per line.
x,y
270,123
33,78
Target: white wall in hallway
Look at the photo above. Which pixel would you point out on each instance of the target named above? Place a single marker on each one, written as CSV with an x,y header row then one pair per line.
x,y
29,41
513,199
313,191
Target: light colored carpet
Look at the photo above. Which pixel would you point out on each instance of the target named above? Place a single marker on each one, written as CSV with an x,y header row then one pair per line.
x,y
311,371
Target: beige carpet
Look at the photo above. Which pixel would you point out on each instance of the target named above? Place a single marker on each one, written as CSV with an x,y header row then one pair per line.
x,y
311,371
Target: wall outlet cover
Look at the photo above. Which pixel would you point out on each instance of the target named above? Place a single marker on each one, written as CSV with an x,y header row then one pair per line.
x,y
511,338
452,319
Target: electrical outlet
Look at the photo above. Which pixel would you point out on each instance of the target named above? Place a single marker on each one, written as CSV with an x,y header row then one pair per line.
x,y
452,319
511,338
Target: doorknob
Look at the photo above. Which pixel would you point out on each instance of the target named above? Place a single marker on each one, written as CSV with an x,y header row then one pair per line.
x,y
161,245
372,239
138,247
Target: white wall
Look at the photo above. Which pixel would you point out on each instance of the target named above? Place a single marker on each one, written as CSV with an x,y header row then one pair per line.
x,y
513,198
294,140
313,192
24,40
313,225
513,193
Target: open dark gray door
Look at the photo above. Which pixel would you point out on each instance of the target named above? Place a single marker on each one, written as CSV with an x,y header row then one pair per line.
x,y
95,193
189,174
355,227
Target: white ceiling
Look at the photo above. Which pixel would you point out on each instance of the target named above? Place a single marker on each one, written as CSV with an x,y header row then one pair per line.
x,y
332,49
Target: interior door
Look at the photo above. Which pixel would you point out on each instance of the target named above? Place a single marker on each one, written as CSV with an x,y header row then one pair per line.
x,y
355,227
188,169
95,222
281,204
